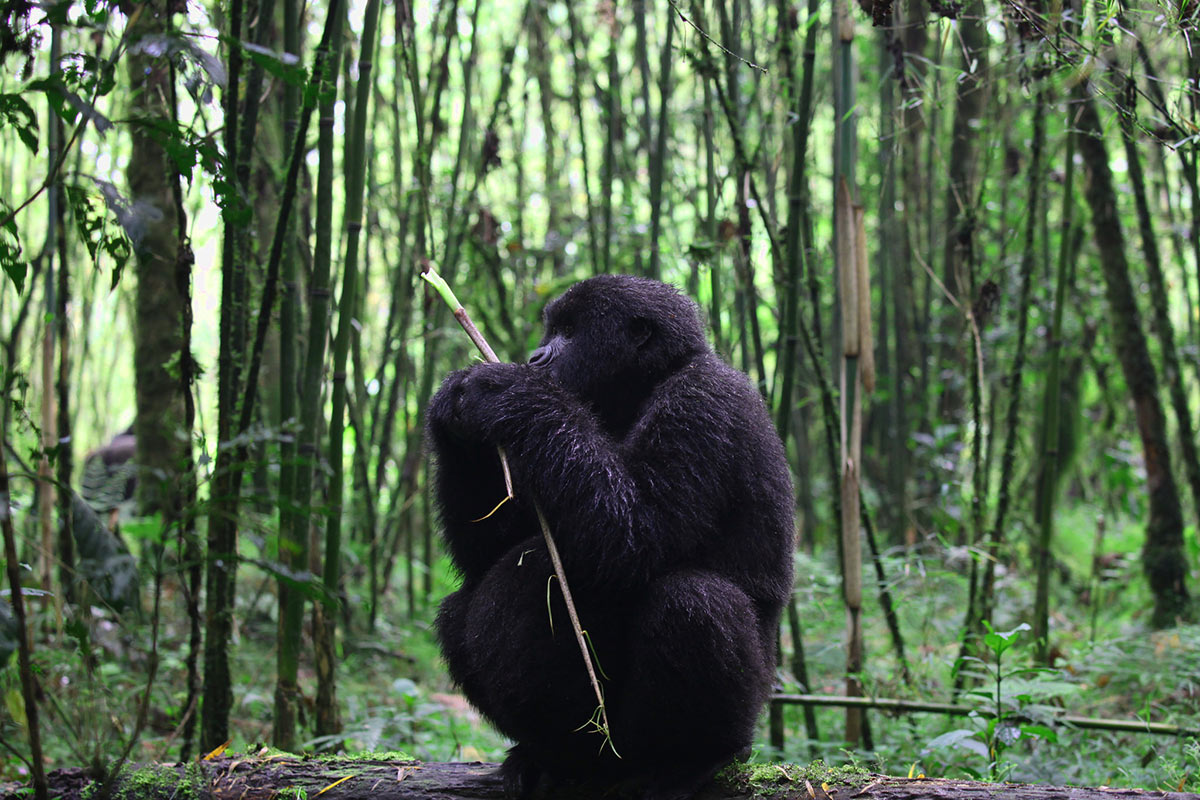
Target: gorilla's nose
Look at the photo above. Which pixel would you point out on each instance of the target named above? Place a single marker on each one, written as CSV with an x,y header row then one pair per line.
x,y
539,357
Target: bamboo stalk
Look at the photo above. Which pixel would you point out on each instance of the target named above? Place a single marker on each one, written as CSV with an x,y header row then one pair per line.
x,y
847,265
220,564
1015,380
579,62
894,704
659,156
29,689
297,533
324,633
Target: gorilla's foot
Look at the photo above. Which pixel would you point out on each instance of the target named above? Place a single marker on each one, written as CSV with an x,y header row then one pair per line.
x,y
686,781
521,774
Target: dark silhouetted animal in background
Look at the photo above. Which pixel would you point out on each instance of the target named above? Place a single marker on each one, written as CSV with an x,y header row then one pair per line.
x,y
670,501
110,477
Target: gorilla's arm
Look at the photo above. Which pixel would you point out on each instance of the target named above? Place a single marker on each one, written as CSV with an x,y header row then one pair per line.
x,y
624,510
470,484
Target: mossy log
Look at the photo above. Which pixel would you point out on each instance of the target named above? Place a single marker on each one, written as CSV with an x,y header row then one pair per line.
x,y
276,776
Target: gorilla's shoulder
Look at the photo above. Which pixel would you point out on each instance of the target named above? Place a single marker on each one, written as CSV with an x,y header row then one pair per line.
x,y
706,375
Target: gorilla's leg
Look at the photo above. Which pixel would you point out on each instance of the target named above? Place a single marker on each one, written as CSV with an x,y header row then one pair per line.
x,y
698,674
524,775
451,633
516,658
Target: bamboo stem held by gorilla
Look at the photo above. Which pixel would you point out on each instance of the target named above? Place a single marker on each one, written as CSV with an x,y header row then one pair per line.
x,y
435,280
439,283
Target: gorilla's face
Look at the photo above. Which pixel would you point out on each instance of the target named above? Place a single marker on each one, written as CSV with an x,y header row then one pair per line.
x,y
610,339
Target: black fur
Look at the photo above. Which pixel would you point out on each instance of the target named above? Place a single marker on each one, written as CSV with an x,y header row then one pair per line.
x,y
669,498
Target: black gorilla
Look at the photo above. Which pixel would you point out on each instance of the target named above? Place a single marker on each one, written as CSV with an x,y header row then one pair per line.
x,y
669,499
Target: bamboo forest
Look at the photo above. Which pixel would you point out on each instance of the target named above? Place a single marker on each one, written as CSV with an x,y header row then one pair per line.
x,y
951,246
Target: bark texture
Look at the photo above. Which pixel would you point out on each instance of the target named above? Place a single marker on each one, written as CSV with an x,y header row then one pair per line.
x,y
161,436
1163,558
360,779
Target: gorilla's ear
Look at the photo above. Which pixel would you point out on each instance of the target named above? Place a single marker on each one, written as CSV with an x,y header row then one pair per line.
x,y
640,331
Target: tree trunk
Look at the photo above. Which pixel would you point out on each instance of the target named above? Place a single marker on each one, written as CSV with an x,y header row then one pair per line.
x,y
220,573
961,190
1049,456
56,238
1159,300
1163,557
1016,375
292,552
370,779
161,438
851,278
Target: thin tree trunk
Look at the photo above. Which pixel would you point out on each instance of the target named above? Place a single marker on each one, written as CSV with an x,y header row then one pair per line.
x,y
788,360
308,429
456,218
160,411
1049,457
747,294
1016,374
289,311
56,238
190,554
45,486
612,139
221,557
29,687
963,168
557,199
293,527
456,228
711,188
1159,301
579,64
891,437
324,634
642,56
1163,557
846,261
658,158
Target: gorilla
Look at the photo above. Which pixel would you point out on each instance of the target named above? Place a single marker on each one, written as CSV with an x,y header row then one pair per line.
x,y
669,499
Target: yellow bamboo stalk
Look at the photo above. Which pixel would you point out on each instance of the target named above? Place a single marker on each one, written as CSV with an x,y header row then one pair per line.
x,y
866,341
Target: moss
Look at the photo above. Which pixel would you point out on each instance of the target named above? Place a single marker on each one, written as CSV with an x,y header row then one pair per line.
x,y
163,780
768,780
372,755
268,753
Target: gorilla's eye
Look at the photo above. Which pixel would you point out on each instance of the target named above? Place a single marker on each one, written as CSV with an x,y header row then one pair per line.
x,y
566,331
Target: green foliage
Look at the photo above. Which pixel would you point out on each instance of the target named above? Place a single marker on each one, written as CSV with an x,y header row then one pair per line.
x,y
1183,774
9,633
769,780
160,782
11,260
185,147
285,66
16,112
1009,705
80,76
93,226
202,71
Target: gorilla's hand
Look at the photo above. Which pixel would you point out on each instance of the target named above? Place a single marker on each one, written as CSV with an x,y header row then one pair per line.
x,y
473,402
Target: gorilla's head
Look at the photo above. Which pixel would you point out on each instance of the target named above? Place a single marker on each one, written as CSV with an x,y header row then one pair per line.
x,y
611,338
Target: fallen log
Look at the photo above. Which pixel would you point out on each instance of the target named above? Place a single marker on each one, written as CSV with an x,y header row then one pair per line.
x,y
268,776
